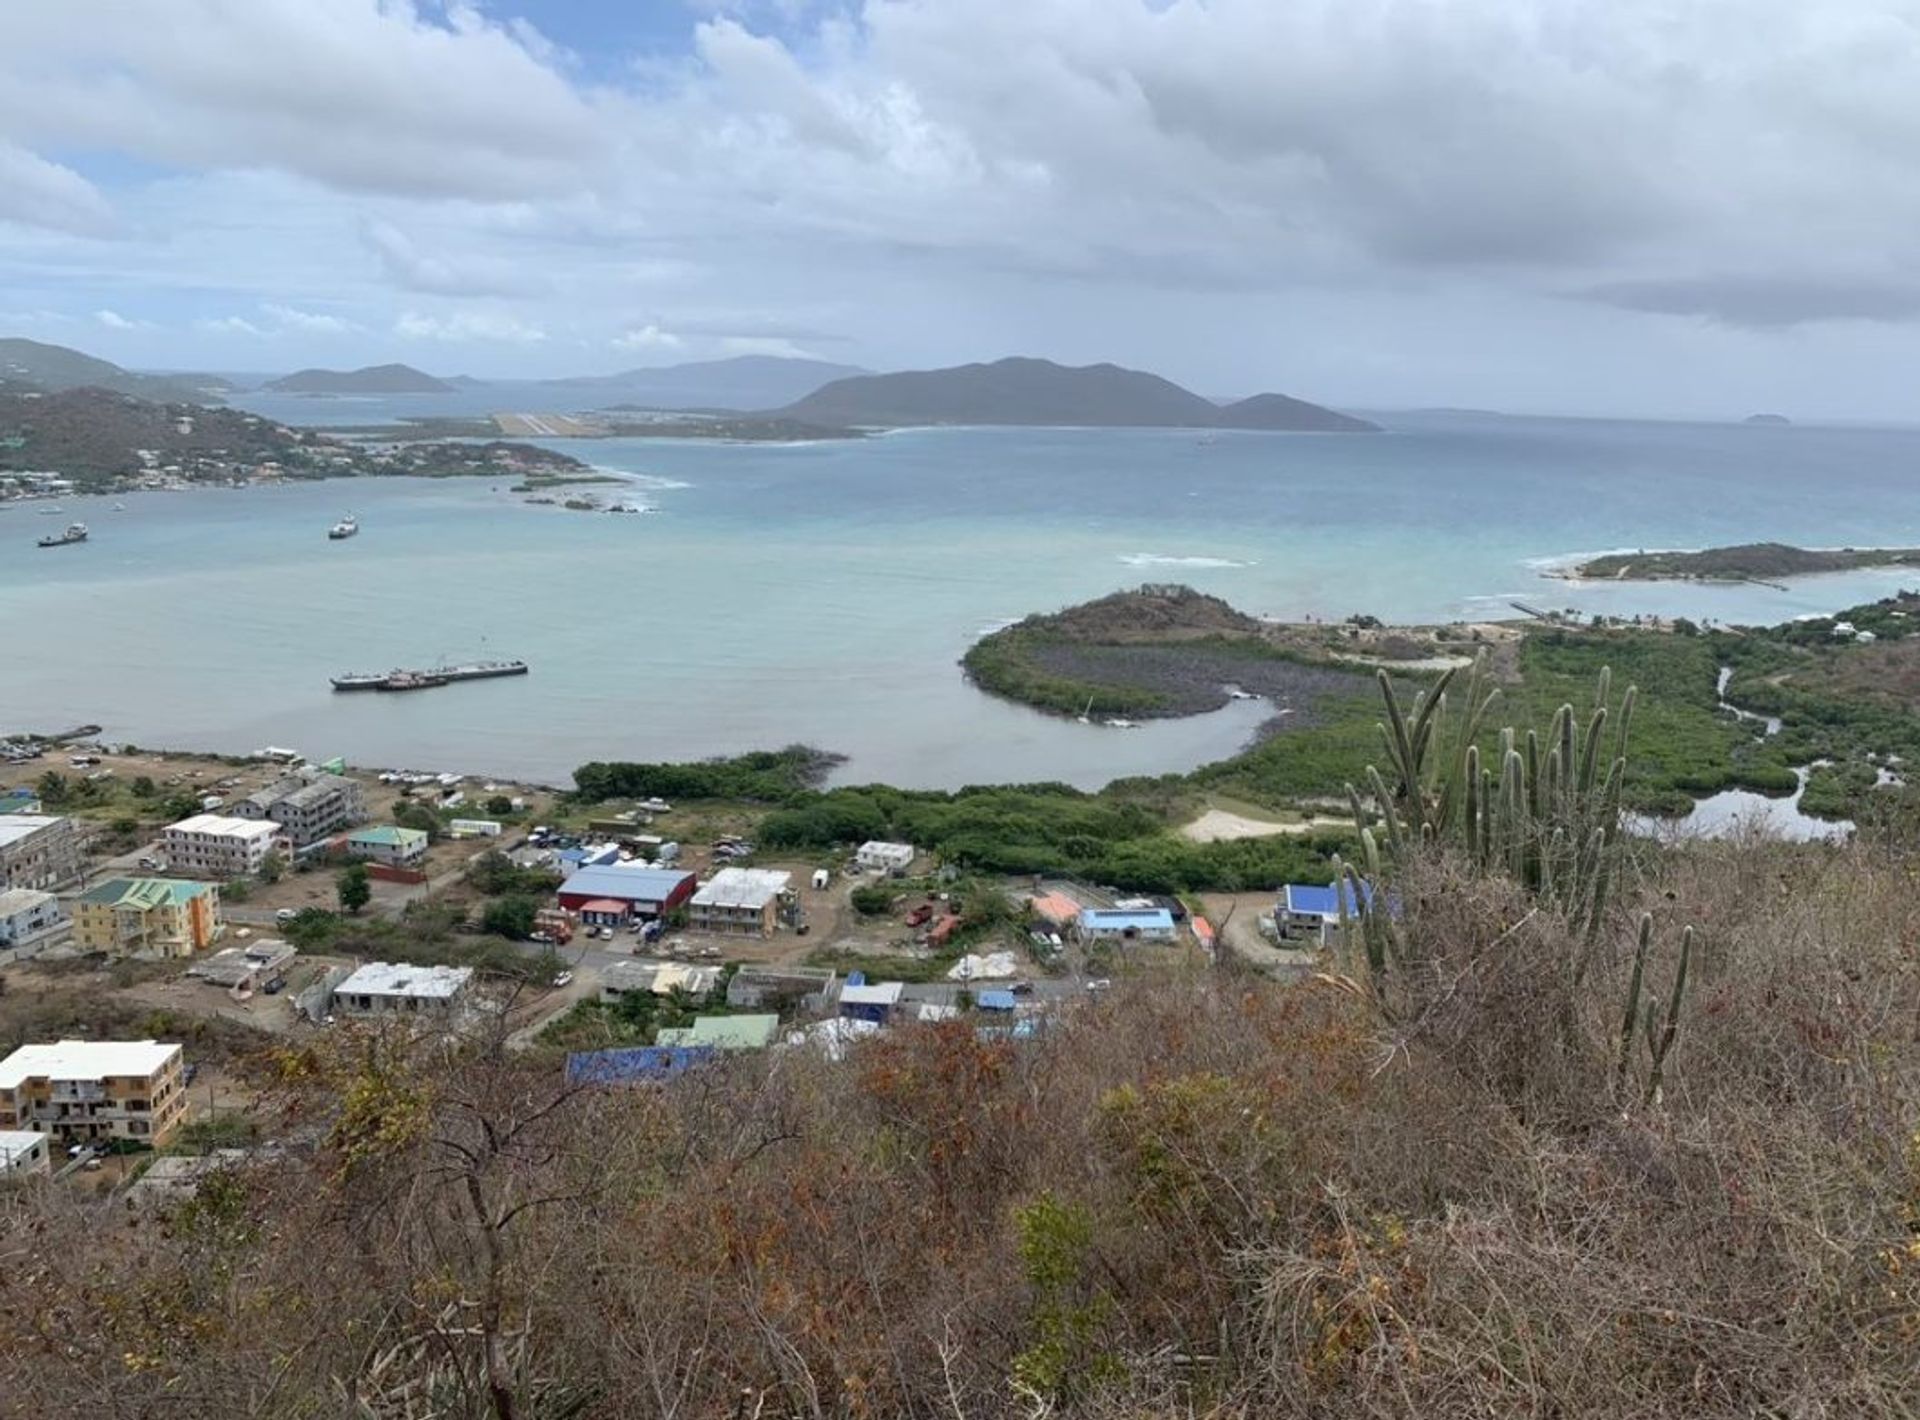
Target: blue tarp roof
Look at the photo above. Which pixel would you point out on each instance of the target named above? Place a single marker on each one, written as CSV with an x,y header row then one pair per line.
x,y
1305,898
995,1001
626,884
1109,919
645,1062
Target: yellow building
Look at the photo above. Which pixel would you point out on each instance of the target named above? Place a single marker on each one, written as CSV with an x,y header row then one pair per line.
x,y
90,1091
150,916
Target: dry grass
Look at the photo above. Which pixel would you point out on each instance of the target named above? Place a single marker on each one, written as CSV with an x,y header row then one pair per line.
x,y
1205,1196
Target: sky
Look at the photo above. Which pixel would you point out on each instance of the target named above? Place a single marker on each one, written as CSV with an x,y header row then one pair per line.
x,y
1673,208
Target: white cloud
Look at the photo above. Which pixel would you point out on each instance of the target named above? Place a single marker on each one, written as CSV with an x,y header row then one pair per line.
x,y
466,326
37,193
113,320
231,325
647,337
308,322
765,345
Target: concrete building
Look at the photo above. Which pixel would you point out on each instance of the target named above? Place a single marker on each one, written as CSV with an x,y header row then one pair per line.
x,y
253,967
24,1154
92,1091
210,845
37,851
308,811
1309,912
613,895
891,858
623,978
381,989
875,1003
1109,924
29,920
389,844
771,987
739,902
163,917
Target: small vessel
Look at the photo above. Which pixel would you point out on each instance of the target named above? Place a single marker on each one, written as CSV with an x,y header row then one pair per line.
x,y
76,532
119,507
1085,717
343,529
1117,724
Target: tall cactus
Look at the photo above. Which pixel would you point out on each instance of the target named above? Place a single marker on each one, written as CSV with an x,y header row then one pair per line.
x,y
1658,1033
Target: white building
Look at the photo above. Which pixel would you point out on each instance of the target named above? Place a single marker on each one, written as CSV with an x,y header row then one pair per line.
x,y
208,845
741,902
877,857
390,989
86,1091
23,1154
29,920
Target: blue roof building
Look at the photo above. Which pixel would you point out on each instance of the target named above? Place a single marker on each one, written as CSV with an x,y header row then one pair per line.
x,y
1107,924
649,891
999,999
636,1065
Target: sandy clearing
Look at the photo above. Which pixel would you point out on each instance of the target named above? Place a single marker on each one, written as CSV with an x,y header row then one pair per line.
x,y
1219,826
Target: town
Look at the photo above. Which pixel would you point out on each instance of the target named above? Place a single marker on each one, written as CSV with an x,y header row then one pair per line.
x,y
271,899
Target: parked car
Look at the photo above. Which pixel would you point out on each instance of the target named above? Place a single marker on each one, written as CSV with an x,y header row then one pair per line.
x,y
562,978
542,937
285,915
275,987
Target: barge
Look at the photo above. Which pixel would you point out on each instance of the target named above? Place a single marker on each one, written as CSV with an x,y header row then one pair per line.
x,y
403,679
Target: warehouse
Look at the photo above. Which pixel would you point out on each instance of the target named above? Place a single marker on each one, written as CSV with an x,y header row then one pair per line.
x,y
616,895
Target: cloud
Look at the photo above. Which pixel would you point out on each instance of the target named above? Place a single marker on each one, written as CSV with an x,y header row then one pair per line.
x,y
231,325
406,265
1765,302
765,345
466,326
37,193
647,337
113,320
308,322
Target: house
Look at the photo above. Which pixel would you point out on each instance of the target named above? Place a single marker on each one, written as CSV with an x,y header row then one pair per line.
x,y
37,851
29,920
308,811
741,902
23,1154
1310,912
1113,924
214,846
473,828
758,987
635,1065
623,978
388,844
388,989
247,968
91,1091
723,1032
617,895
162,917
875,1003
890,858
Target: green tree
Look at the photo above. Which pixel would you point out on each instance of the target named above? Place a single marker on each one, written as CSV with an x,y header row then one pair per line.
x,y
143,787
354,890
271,868
499,805
55,788
510,917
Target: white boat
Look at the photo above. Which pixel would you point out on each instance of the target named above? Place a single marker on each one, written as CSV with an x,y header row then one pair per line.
x,y
343,529
1117,724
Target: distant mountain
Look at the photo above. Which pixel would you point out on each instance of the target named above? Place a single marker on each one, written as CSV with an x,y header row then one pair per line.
x,y
374,379
741,382
1772,420
55,367
1027,391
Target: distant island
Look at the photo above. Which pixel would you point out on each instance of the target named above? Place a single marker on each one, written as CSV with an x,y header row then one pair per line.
x,y
1039,392
1779,421
373,379
1749,562
52,368
100,441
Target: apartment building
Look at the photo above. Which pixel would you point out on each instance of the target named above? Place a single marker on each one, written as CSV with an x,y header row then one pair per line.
x,y
92,1091
208,845
29,919
38,851
308,811
161,917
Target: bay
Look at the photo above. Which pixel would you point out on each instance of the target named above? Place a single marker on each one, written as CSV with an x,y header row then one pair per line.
x,y
824,592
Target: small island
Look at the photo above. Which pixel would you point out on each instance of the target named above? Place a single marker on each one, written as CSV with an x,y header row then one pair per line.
x,y
1773,421
373,379
1764,562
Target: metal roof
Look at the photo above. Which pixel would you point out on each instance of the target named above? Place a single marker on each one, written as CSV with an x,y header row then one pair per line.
x,y
14,827
144,892
1108,919
1309,900
626,884
723,1032
996,1001
225,827
389,835
886,993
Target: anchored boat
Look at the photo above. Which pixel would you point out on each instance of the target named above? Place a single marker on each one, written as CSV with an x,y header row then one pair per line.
x,y
345,528
76,532
404,679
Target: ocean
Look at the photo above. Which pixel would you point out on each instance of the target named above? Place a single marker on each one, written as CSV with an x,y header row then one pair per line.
x,y
823,593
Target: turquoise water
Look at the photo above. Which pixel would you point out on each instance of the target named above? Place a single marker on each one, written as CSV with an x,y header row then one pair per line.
x,y
825,592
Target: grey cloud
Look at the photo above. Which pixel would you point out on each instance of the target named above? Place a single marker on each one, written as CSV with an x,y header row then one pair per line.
x,y
1764,302
408,266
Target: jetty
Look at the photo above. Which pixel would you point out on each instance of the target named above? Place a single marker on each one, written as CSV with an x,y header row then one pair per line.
x,y
407,679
